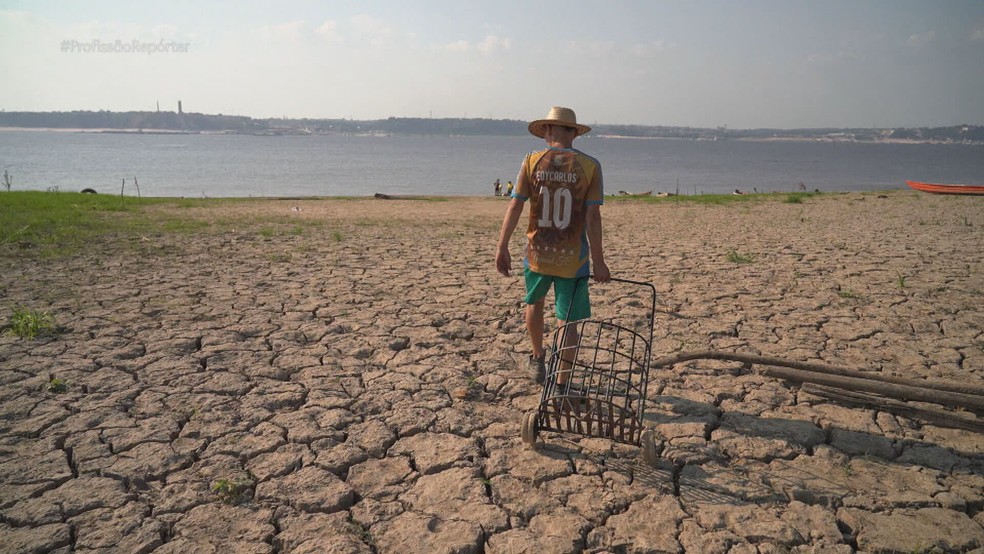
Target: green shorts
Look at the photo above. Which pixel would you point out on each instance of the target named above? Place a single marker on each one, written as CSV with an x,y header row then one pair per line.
x,y
538,284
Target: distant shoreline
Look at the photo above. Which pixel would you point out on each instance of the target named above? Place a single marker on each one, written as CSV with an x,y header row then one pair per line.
x,y
146,122
100,130
131,131
782,139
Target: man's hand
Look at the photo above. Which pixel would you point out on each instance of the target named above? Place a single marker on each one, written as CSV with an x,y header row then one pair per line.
x,y
601,272
503,262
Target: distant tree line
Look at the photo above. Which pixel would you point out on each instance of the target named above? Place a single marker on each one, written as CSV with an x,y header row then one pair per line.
x,y
417,126
198,122
959,133
129,120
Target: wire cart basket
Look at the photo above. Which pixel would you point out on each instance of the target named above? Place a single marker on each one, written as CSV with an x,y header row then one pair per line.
x,y
596,381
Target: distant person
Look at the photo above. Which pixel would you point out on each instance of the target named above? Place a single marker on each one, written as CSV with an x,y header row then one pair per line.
x,y
564,188
509,188
496,188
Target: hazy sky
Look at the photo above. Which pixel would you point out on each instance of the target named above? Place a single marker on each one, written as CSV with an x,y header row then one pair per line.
x,y
744,64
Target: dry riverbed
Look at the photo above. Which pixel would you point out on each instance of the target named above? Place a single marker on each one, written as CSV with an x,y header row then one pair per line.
x,y
347,376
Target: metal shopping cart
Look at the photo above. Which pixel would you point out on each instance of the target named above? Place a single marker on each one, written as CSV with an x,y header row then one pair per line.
x,y
596,381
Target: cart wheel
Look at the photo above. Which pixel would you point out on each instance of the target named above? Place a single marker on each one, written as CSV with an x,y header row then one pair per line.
x,y
648,444
529,428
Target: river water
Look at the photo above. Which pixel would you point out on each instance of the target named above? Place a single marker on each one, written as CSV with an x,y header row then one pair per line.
x,y
216,165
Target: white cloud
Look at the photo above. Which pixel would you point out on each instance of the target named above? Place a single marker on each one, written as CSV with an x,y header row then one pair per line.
x,y
488,45
492,43
290,31
165,31
646,49
592,48
369,29
20,28
329,31
921,39
13,16
456,46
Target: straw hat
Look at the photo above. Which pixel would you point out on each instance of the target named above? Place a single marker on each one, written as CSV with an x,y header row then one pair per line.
x,y
557,116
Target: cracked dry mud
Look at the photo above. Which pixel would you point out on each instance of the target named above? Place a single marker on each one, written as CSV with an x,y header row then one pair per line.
x,y
347,376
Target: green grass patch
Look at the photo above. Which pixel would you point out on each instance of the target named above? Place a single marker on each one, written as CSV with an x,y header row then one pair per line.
x,y
700,199
280,257
425,198
184,226
281,230
718,199
57,385
61,223
232,491
54,224
30,324
735,257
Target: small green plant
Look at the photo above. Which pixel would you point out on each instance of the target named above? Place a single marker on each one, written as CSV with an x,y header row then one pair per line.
x,y
734,257
365,535
231,491
267,232
847,293
900,281
923,550
57,385
336,236
8,180
28,324
279,258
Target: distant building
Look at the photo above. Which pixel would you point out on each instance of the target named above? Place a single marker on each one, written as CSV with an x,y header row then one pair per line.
x,y
179,107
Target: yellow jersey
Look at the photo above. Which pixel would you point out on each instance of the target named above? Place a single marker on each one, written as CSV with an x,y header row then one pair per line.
x,y
560,184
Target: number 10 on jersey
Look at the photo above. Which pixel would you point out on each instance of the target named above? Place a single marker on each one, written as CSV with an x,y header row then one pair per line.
x,y
555,208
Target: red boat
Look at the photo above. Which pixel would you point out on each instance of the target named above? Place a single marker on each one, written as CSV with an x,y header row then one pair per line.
x,y
946,189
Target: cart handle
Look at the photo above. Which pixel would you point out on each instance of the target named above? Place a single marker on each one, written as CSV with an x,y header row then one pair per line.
x,y
652,288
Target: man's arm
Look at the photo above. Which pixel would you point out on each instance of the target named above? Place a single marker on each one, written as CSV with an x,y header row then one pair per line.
x,y
601,272
503,261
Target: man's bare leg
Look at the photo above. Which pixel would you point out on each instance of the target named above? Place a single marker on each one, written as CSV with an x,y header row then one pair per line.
x,y
534,326
569,338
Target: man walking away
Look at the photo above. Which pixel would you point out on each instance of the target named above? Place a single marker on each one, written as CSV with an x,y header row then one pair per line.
x,y
565,189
